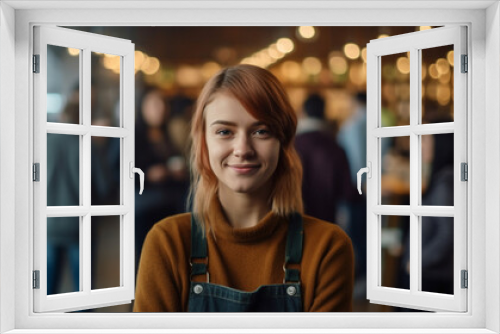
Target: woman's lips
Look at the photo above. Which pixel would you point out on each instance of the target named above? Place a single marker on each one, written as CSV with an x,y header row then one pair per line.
x,y
244,168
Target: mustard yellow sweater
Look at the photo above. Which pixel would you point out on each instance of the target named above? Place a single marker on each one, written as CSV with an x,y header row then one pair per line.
x,y
245,259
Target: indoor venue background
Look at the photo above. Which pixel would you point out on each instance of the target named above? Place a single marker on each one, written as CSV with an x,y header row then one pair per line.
x,y
323,69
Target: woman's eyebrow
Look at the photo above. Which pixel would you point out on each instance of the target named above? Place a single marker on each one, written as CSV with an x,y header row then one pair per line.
x,y
222,122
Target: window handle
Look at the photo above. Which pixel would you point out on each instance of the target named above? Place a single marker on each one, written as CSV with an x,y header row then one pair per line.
x,y
138,171
368,171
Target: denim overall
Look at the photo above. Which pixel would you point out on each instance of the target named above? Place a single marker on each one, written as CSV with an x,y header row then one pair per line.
x,y
208,297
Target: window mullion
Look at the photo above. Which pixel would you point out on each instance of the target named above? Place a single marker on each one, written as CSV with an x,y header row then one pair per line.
x,y
85,254
415,230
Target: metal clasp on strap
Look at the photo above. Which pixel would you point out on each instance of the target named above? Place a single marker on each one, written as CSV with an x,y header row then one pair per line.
x,y
291,275
199,268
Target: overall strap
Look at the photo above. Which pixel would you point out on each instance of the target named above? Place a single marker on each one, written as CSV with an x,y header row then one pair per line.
x,y
293,253
198,249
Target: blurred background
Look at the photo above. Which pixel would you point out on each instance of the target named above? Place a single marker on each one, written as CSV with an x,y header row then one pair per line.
x,y
323,70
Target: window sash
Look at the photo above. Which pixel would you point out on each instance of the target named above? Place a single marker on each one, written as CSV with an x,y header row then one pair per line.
x,y
85,298
413,43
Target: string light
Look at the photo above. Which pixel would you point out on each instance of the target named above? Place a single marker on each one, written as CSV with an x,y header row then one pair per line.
x,y
351,51
306,32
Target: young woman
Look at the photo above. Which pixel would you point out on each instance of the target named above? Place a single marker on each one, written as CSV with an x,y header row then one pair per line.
x,y
246,246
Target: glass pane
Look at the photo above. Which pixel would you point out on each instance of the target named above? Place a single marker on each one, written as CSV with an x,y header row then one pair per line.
x,y
105,173
437,169
395,89
395,251
395,181
105,252
105,89
437,254
437,84
63,85
63,255
63,170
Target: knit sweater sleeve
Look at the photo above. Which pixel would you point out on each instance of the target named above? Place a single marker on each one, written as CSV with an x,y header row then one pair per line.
x,y
158,283
335,275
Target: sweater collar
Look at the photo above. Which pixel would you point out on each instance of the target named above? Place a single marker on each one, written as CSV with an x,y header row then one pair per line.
x,y
223,229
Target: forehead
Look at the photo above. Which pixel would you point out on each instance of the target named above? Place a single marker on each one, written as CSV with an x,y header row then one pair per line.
x,y
224,106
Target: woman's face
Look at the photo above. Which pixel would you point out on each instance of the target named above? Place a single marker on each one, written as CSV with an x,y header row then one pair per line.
x,y
243,152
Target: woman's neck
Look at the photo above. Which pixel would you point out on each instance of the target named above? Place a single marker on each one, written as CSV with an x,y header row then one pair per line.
x,y
243,210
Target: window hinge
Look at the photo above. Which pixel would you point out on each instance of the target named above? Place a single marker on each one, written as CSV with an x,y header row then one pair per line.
x,y
465,279
464,172
36,63
36,279
36,172
465,64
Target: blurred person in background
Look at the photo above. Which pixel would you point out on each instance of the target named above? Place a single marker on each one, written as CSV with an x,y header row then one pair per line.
x,y
352,138
327,178
437,232
63,189
166,178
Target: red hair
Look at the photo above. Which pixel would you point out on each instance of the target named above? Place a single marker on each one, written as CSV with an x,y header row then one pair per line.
x,y
262,95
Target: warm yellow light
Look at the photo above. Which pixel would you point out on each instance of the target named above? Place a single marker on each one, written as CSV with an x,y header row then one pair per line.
x,y
403,65
442,66
424,72
285,45
443,94
445,78
112,63
73,52
311,65
422,28
188,76
364,54
307,32
451,57
433,71
209,69
357,74
150,66
382,36
338,65
140,57
291,70
274,53
351,50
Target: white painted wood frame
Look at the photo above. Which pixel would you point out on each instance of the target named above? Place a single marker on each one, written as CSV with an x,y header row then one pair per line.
x,y
17,18
414,43
87,43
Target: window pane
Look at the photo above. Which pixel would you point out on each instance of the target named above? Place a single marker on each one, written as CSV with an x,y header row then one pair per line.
x,y
105,173
437,254
105,89
63,86
63,170
63,255
437,84
395,89
395,252
395,181
437,169
105,252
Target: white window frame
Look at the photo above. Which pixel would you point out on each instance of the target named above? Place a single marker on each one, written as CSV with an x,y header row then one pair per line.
x,y
414,43
483,20
85,297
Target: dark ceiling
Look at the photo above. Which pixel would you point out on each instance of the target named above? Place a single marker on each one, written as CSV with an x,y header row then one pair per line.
x,y
228,45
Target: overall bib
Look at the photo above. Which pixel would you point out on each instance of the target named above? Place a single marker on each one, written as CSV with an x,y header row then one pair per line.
x,y
208,297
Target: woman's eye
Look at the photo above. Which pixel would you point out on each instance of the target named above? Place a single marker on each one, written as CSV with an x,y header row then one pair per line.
x,y
223,133
263,133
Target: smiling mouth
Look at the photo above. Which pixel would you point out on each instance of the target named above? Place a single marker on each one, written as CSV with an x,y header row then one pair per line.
x,y
244,168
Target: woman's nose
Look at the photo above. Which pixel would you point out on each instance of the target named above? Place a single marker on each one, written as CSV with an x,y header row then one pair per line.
x,y
243,147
